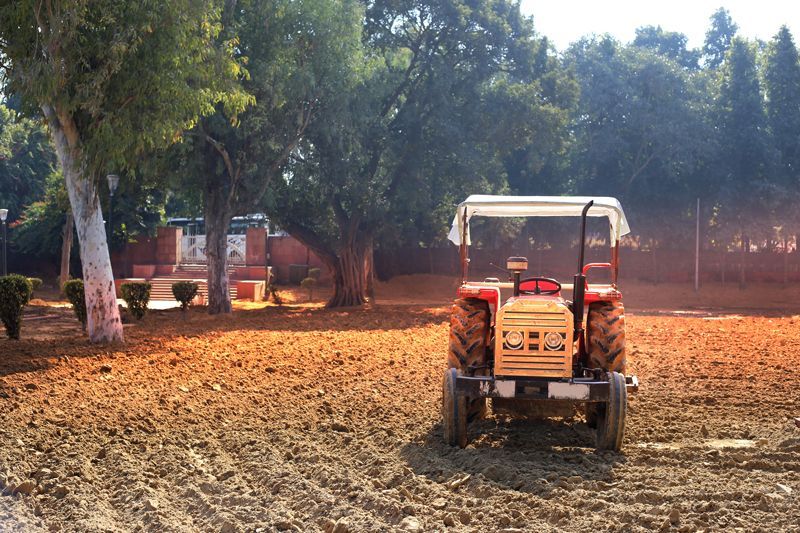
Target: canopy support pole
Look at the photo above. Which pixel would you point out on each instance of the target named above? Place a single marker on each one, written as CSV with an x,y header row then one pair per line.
x,y
463,250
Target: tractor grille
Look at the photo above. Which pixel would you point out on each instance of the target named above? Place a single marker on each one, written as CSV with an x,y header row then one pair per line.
x,y
534,319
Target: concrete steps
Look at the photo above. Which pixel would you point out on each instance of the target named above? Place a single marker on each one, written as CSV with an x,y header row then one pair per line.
x,y
162,285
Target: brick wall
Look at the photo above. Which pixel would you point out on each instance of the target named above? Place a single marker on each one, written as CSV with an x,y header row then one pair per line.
x,y
286,250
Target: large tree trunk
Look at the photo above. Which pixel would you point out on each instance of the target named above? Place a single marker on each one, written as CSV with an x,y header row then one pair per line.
x,y
103,323
66,249
349,276
370,271
217,219
348,263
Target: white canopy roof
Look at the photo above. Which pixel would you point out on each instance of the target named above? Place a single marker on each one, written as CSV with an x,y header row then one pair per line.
x,y
538,206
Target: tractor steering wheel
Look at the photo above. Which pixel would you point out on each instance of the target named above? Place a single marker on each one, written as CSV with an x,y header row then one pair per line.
x,y
542,286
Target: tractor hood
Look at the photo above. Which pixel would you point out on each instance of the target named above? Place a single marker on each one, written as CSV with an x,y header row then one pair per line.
x,y
537,206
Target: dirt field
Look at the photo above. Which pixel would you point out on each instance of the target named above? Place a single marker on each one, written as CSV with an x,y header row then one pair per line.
x,y
301,418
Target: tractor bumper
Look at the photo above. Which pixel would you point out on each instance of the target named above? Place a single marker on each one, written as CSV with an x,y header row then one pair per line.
x,y
576,389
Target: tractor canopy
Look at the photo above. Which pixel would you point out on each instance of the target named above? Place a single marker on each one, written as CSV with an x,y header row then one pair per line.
x,y
536,206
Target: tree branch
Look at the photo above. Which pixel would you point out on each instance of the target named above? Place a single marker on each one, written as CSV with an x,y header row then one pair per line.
x,y
278,162
310,239
395,96
640,169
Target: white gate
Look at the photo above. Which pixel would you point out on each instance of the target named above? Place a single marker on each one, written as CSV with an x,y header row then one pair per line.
x,y
193,249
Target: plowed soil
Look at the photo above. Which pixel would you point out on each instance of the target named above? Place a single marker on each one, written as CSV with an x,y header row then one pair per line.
x,y
302,418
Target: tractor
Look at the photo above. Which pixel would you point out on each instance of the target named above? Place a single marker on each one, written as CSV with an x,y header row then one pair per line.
x,y
531,354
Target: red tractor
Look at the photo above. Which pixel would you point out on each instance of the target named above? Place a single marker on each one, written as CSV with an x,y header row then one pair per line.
x,y
531,353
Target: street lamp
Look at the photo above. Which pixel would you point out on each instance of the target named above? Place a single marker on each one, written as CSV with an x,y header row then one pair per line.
x,y
3,216
113,183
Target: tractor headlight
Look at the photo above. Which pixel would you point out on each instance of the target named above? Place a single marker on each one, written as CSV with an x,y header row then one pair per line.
x,y
553,341
514,339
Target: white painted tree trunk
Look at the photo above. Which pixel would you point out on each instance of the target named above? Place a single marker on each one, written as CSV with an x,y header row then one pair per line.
x,y
103,323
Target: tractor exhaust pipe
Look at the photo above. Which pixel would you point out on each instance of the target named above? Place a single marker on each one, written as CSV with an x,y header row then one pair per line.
x,y
579,281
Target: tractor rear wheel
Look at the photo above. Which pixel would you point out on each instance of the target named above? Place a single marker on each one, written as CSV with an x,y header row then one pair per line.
x,y
469,331
611,415
454,412
605,336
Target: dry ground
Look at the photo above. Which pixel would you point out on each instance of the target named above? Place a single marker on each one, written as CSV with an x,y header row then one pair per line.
x,y
301,418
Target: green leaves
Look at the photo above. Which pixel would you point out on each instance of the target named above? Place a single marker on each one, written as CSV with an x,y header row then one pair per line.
x,y
782,83
718,38
26,159
132,75
452,90
15,293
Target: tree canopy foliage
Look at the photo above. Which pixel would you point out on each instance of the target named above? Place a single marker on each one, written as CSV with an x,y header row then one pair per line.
x,y
114,80
299,55
447,91
362,123
27,158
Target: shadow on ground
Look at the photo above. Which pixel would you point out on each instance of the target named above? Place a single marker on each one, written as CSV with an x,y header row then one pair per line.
x,y
531,456
50,336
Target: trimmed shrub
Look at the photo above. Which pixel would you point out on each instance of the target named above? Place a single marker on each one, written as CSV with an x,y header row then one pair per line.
x,y
35,283
308,284
184,292
15,292
73,290
137,295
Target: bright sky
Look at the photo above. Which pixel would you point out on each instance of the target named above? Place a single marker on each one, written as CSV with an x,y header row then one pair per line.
x,y
565,21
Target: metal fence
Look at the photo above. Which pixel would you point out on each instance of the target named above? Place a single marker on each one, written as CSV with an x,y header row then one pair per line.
x,y
647,265
193,249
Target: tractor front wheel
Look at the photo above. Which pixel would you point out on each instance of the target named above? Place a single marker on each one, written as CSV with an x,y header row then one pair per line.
x,y
610,416
454,411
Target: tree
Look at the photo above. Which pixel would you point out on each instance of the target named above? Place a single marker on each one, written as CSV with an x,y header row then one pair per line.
x,y
139,207
27,158
741,116
295,52
782,84
718,38
419,126
748,196
669,44
640,134
39,233
113,79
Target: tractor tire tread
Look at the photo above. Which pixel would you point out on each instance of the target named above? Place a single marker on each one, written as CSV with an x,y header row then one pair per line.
x,y
605,336
469,327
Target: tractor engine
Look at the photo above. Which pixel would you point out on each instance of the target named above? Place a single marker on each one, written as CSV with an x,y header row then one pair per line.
x,y
533,338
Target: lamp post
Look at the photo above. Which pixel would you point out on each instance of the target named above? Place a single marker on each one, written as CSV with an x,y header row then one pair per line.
x,y
3,216
113,183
